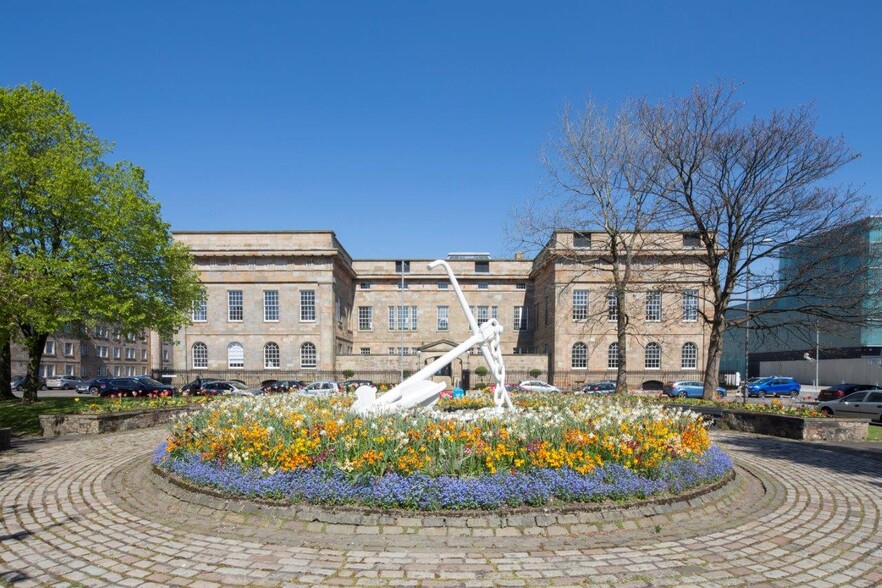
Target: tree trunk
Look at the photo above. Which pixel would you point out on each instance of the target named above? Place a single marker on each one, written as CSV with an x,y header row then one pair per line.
x,y
35,344
622,339
6,368
714,353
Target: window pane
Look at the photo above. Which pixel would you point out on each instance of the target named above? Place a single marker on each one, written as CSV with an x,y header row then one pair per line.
x,y
200,311
690,305
234,305
307,305
612,361
308,358
271,358
580,305
365,318
235,356
443,316
271,305
653,306
653,356
612,306
580,356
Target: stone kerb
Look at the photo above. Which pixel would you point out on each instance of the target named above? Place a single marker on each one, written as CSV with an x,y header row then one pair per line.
x,y
544,521
53,425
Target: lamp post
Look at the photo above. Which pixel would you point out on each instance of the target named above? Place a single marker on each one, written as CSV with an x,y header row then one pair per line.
x,y
817,354
746,332
401,323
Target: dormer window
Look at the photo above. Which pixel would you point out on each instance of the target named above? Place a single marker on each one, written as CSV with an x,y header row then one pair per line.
x,y
581,239
482,267
691,240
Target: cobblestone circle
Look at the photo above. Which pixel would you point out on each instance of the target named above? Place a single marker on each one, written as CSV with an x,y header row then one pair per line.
x,y
90,512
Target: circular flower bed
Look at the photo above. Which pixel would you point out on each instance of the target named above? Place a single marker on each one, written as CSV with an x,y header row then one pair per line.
x,y
552,449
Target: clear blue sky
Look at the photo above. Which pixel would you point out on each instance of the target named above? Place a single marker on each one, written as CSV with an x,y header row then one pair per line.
x,y
412,128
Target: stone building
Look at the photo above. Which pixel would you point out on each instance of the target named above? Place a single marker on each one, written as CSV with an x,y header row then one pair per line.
x,y
294,304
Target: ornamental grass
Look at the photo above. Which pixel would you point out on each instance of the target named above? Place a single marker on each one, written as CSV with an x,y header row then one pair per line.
x,y
568,448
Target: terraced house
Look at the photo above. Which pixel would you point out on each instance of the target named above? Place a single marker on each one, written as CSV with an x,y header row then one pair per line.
x,y
295,304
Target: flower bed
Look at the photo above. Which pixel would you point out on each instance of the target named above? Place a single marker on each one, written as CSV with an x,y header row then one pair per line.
x,y
551,450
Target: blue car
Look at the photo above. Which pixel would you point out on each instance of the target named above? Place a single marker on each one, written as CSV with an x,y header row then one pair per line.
x,y
689,389
774,386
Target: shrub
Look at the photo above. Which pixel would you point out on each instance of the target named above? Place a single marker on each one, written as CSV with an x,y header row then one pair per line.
x,y
535,373
347,374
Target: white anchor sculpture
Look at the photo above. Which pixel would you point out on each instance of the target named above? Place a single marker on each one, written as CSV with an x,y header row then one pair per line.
x,y
419,389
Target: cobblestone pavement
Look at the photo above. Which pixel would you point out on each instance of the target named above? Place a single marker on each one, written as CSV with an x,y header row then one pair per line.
x,y
89,512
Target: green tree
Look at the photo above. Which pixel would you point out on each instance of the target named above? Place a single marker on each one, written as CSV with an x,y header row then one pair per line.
x,y
84,239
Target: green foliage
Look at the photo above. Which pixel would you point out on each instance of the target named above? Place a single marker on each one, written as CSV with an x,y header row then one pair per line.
x,y
534,373
481,371
82,241
348,374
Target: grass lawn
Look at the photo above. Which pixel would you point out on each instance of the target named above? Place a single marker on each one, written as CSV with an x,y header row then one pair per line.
x,y
23,418
875,433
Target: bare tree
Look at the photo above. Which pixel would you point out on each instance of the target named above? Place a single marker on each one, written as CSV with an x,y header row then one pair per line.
x,y
755,193
603,177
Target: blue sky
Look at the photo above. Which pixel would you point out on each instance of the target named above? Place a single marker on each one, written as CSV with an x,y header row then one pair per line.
x,y
411,128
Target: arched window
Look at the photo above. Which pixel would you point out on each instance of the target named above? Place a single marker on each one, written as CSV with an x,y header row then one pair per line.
x,y
308,357
271,359
580,356
612,356
200,356
653,356
235,356
689,356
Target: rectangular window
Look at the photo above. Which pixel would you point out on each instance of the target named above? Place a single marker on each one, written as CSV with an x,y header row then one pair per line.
x,y
690,305
402,285
403,318
612,307
47,370
365,351
483,314
102,351
200,310
143,355
494,312
482,285
482,267
364,286
68,349
580,305
84,349
443,318
691,240
130,353
443,285
654,306
521,286
402,267
49,348
234,305
69,370
521,318
365,318
270,305
117,353
117,370
307,305
130,371
581,239
165,355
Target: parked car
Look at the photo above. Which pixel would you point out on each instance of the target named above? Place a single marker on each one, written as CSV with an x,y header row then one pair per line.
x,y
135,386
842,390
689,389
602,387
285,386
92,386
537,386
323,387
774,386
865,404
508,387
63,382
18,383
196,385
229,388
354,384
266,384
748,382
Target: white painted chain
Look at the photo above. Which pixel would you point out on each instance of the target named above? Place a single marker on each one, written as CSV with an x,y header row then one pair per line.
x,y
500,394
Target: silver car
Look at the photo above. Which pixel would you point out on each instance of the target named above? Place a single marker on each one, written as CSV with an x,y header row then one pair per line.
x,y
63,382
537,386
866,404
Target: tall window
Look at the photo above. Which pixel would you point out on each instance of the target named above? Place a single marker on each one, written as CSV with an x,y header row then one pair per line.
x,y
308,357
483,314
365,318
200,310
580,356
234,305
653,306
68,349
270,305
49,348
271,358
235,356
307,305
689,356
652,360
200,356
521,318
580,305
612,306
403,318
690,305
443,318
612,356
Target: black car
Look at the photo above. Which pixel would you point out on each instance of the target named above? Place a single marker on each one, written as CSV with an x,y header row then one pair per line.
x,y
196,385
18,383
842,390
93,386
604,387
137,386
285,386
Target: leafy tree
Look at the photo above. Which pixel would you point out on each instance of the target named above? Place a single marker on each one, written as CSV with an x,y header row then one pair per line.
x,y
83,238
